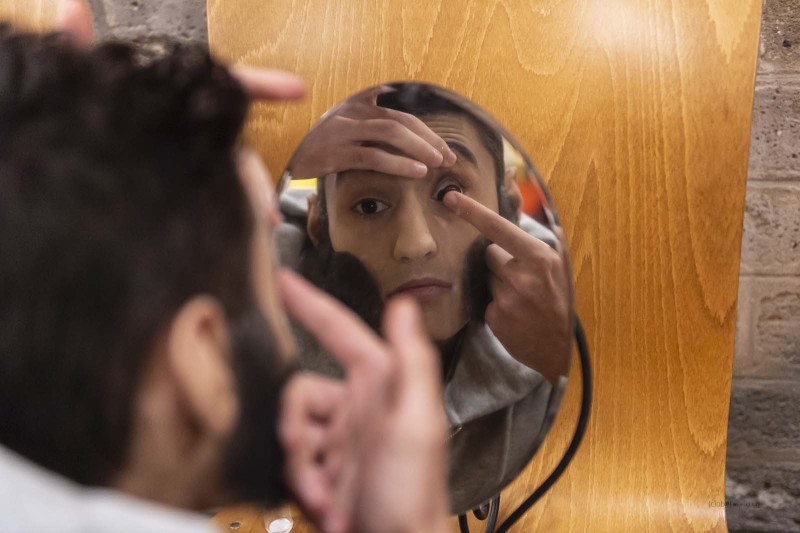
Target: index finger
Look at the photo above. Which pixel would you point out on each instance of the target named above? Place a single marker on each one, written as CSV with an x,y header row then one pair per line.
x,y
76,19
419,365
336,328
499,230
269,84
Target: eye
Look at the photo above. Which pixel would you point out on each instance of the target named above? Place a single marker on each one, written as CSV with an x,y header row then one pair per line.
x,y
445,186
370,206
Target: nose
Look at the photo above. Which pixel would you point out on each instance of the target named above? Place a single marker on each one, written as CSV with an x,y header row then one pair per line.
x,y
415,240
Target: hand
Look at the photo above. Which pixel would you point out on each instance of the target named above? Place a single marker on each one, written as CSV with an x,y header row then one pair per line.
x,y
346,136
386,451
309,405
76,20
530,312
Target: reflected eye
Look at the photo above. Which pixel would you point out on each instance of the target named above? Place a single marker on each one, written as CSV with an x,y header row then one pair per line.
x,y
445,187
370,206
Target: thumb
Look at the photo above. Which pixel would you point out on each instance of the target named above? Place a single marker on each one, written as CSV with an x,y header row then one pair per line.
x,y
418,365
370,96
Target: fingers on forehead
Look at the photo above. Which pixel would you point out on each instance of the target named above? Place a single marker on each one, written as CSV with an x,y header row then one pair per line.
x,y
416,125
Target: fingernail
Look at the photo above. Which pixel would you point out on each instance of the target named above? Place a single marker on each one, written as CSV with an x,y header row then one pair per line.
x,y
450,200
420,170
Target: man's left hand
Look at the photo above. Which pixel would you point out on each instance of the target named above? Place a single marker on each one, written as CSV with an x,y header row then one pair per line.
x,y
75,18
530,312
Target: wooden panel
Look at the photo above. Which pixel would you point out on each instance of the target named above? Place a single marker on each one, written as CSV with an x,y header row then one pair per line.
x,y
638,115
32,15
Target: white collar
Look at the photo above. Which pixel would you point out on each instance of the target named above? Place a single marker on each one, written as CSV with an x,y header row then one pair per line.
x,y
34,499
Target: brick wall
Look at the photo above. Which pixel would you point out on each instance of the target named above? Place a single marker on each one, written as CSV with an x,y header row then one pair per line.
x,y
763,466
129,19
763,481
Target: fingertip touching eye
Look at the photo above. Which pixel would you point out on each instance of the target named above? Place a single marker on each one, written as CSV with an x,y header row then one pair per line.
x,y
370,206
445,186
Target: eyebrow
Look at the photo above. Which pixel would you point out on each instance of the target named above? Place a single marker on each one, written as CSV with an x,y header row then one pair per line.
x,y
463,151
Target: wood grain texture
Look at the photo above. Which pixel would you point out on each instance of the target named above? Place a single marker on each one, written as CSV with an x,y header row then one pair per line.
x,y
31,15
637,113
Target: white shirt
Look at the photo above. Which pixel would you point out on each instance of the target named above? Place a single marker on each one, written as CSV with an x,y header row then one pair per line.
x,y
33,499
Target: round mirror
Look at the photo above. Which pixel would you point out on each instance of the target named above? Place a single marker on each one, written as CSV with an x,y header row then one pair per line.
x,y
408,188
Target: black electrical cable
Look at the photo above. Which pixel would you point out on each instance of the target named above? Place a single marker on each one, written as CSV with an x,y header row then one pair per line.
x,y
577,437
494,509
482,512
463,525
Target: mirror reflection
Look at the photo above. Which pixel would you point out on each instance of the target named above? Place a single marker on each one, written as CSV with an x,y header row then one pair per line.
x,y
410,189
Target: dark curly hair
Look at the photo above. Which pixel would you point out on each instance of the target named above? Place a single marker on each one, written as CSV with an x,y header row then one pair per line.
x,y
119,201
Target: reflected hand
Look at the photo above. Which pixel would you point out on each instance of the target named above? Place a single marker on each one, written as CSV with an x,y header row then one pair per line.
x,y
388,461
346,139
530,311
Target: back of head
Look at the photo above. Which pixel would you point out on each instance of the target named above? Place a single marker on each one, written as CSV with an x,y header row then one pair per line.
x,y
119,200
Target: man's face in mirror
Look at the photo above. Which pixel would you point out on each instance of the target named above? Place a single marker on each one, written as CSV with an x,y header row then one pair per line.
x,y
405,237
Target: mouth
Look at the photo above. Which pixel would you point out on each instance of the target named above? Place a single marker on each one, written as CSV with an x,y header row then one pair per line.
x,y
422,289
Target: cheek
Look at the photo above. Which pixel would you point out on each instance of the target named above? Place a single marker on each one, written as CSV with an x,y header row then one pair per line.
x,y
368,240
455,238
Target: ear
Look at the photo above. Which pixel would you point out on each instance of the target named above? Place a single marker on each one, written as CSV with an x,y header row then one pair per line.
x,y
513,190
312,222
200,363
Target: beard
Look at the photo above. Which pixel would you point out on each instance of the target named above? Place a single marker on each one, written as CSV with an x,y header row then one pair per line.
x,y
254,460
344,277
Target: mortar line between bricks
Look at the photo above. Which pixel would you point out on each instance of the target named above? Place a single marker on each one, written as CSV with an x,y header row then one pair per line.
x,y
738,459
750,381
765,275
788,78
775,182
776,176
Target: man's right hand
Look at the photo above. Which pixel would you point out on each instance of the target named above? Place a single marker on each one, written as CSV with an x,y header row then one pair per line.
x,y
352,135
386,455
